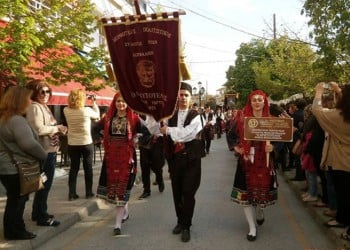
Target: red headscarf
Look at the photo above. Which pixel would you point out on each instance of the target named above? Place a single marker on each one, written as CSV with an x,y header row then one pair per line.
x,y
131,117
247,111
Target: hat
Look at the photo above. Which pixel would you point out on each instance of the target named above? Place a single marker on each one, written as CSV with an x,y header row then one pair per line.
x,y
186,86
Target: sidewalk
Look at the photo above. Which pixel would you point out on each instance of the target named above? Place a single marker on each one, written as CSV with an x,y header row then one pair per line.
x,y
67,212
316,213
70,212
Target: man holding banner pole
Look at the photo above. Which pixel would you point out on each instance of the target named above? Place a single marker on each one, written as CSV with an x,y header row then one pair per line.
x,y
185,150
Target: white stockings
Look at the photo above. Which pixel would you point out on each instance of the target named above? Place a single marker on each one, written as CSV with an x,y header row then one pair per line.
x,y
248,211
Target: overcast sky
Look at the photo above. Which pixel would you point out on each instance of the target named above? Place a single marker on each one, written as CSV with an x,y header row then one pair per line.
x,y
212,30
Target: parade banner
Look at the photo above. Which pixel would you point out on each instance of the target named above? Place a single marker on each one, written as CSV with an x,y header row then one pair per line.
x,y
145,58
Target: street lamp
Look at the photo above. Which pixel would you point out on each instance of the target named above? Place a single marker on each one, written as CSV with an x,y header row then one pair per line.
x,y
201,91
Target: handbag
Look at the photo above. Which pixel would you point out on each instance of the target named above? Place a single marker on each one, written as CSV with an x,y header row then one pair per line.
x,y
30,178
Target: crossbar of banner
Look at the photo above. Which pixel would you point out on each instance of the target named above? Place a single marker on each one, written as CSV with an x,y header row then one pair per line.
x,y
132,18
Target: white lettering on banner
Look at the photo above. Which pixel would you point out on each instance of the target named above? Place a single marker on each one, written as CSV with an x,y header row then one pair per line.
x,y
133,44
139,54
124,34
157,31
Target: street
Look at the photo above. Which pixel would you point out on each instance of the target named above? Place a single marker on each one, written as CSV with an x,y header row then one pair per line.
x,y
218,223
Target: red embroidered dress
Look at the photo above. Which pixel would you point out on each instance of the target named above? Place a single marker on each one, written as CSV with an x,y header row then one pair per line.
x,y
254,183
118,170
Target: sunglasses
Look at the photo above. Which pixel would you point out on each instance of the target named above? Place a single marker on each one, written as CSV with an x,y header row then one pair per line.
x,y
43,92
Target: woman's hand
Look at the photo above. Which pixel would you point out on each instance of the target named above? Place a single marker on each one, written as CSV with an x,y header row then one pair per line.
x,y
238,150
268,148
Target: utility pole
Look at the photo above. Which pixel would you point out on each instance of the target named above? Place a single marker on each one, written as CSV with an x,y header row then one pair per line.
x,y
274,26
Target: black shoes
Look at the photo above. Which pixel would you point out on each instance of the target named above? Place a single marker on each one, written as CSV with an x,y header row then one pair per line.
x,y
89,195
144,195
72,197
251,237
186,235
117,231
177,229
25,235
161,187
49,223
123,220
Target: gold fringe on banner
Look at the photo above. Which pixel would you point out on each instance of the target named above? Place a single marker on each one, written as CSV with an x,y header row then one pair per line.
x,y
142,17
185,73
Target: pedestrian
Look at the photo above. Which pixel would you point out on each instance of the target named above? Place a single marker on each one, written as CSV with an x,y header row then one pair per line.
x,y
209,126
336,152
255,184
120,125
45,125
312,140
16,135
151,158
185,150
219,121
298,124
80,144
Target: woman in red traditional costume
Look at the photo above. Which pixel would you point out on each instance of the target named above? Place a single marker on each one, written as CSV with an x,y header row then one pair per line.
x,y
118,172
255,183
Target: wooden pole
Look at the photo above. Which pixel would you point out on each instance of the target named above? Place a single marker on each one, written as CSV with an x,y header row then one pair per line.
x,y
137,7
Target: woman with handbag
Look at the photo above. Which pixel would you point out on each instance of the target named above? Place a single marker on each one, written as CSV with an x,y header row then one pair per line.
x,y
44,123
18,137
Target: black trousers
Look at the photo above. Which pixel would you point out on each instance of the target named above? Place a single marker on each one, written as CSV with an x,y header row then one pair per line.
x,y
185,177
15,204
341,180
152,159
76,153
207,138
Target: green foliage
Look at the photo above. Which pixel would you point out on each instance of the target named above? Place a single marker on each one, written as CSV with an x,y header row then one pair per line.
x,y
241,77
331,27
287,70
42,34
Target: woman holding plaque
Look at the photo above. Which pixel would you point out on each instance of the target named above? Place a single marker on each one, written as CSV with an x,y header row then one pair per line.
x,y
255,184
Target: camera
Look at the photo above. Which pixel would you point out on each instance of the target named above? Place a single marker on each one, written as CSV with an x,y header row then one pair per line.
x,y
326,85
91,97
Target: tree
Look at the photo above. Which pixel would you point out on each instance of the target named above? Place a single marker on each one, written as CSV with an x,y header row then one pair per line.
x,y
331,26
42,36
287,69
241,77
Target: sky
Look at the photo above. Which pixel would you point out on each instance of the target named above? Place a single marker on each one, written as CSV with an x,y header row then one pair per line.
x,y
212,31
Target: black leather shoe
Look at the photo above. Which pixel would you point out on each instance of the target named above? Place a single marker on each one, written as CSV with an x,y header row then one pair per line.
x,y
25,235
260,222
117,231
72,197
144,195
161,187
123,220
186,235
251,237
49,223
177,229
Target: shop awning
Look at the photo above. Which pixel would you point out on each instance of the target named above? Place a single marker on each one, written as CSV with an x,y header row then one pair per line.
x,y
60,94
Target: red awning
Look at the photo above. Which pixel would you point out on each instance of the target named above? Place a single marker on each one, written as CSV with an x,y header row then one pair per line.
x,y
60,94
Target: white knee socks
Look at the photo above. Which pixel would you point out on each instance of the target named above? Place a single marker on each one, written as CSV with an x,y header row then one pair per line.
x,y
119,216
126,211
248,211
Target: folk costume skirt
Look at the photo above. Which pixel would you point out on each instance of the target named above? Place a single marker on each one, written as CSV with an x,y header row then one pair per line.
x,y
117,173
254,184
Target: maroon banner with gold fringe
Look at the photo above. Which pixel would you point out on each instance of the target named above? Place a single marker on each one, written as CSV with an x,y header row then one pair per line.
x,y
145,58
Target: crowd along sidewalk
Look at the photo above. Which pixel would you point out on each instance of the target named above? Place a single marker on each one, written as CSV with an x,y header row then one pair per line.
x,y
67,212
315,212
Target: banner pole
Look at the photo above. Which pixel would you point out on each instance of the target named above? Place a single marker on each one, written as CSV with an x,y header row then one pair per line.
x,y
137,7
